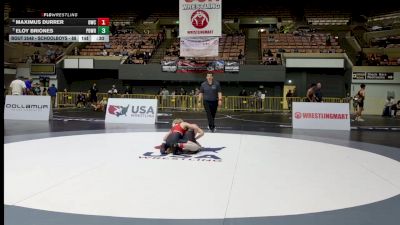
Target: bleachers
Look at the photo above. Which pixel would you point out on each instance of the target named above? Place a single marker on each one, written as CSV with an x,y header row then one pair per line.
x,y
123,44
274,44
386,42
262,11
382,60
319,17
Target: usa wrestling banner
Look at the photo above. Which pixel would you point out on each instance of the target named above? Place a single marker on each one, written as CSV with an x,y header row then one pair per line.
x,y
200,18
199,46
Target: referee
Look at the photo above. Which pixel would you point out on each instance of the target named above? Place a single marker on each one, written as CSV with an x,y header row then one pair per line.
x,y
210,92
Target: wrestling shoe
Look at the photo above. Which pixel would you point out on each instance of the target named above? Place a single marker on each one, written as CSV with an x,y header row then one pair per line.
x,y
175,149
163,149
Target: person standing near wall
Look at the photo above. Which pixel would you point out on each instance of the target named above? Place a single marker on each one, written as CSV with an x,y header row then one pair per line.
x,y
211,94
17,87
52,91
360,99
310,96
318,93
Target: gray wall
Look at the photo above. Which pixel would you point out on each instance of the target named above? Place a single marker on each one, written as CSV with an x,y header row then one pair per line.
x,y
333,80
228,88
77,80
149,78
247,73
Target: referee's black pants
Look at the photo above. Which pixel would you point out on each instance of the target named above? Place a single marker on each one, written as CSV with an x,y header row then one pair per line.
x,y
211,109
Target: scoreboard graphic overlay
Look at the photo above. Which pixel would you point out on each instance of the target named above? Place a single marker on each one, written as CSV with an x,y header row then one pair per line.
x,y
59,29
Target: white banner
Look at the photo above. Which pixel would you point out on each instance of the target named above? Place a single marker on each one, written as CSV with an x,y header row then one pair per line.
x,y
27,107
127,110
199,18
324,116
199,47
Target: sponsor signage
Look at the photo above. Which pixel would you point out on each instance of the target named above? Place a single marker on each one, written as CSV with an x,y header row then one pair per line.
x,y
27,107
231,66
359,75
323,116
373,76
186,66
199,18
380,76
199,46
191,66
133,111
168,66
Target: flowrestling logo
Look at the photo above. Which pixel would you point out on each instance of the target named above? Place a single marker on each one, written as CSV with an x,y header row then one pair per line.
x,y
205,155
118,110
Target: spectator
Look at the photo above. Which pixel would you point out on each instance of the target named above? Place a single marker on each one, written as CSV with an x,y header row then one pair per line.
x,y
128,90
240,57
52,91
328,40
76,51
388,107
93,93
81,100
113,91
28,85
36,89
289,96
18,87
243,93
65,97
58,52
29,60
44,92
197,92
183,91
395,108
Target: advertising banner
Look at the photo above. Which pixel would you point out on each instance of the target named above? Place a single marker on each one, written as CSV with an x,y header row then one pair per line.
x,y
200,18
186,66
132,111
27,107
380,76
199,46
231,66
168,66
323,116
359,75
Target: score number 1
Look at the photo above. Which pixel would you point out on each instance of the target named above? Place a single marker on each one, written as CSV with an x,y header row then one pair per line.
x,y
103,21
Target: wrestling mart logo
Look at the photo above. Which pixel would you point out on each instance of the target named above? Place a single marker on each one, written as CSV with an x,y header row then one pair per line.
x,y
200,19
205,155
